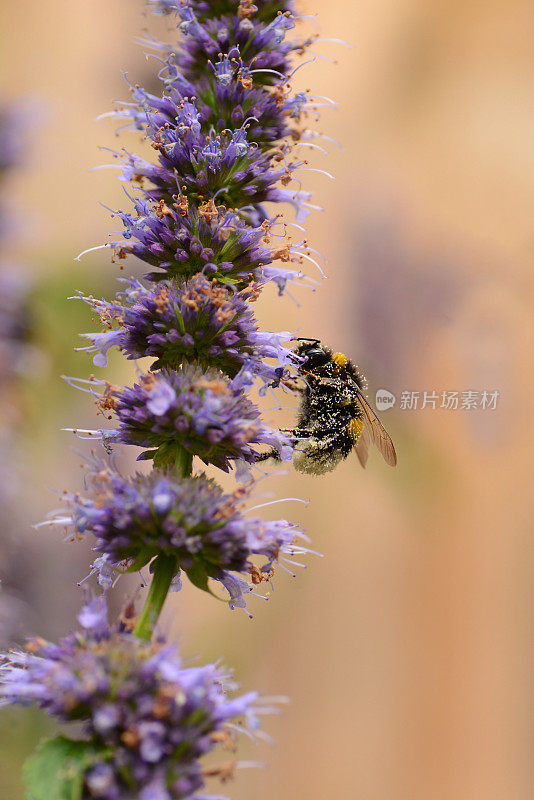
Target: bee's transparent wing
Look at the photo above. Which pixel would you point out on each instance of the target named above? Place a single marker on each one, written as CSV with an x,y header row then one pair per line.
x,y
374,432
362,447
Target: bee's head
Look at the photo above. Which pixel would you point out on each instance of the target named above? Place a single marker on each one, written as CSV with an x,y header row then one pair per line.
x,y
313,353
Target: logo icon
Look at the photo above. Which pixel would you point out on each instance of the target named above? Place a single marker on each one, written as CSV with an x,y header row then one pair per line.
x,y
384,399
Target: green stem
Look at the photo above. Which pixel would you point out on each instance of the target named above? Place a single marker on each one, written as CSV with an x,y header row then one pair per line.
x,y
184,461
164,568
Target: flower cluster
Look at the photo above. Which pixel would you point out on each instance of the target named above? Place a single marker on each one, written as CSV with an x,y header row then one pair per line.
x,y
208,240
240,44
193,410
199,321
207,166
148,720
191,519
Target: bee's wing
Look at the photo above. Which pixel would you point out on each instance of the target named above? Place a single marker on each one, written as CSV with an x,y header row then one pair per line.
x,y
374,432
362,447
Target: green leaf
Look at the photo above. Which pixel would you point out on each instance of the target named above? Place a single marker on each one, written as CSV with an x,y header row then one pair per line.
x,y
199,577
147,455
55,771
164,455
140,561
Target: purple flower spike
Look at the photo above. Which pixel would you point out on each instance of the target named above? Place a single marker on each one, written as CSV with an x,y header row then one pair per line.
x,y
148,720
225,141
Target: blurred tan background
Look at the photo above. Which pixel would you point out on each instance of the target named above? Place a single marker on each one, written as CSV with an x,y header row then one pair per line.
x,y
408,650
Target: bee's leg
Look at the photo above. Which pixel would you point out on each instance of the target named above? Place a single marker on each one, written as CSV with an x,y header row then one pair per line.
x,y
293,386
272,453
296,433
320,379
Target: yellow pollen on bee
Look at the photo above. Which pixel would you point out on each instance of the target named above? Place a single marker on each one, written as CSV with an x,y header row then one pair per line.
x,y
340,359
355,427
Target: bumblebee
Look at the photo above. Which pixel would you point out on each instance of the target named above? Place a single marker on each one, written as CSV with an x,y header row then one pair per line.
x,y
334,416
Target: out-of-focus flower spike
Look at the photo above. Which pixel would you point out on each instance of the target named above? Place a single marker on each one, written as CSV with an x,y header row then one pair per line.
x,y
137,706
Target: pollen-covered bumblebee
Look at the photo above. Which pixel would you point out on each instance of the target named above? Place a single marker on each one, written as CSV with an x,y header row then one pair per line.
x,y
334,415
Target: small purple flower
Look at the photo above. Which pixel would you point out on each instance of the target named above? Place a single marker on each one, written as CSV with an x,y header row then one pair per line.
x,y
208,532
201,412
150,719
93,618
201,321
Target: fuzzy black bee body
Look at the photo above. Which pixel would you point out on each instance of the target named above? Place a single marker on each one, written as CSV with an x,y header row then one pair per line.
x,y
334,415
329,413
